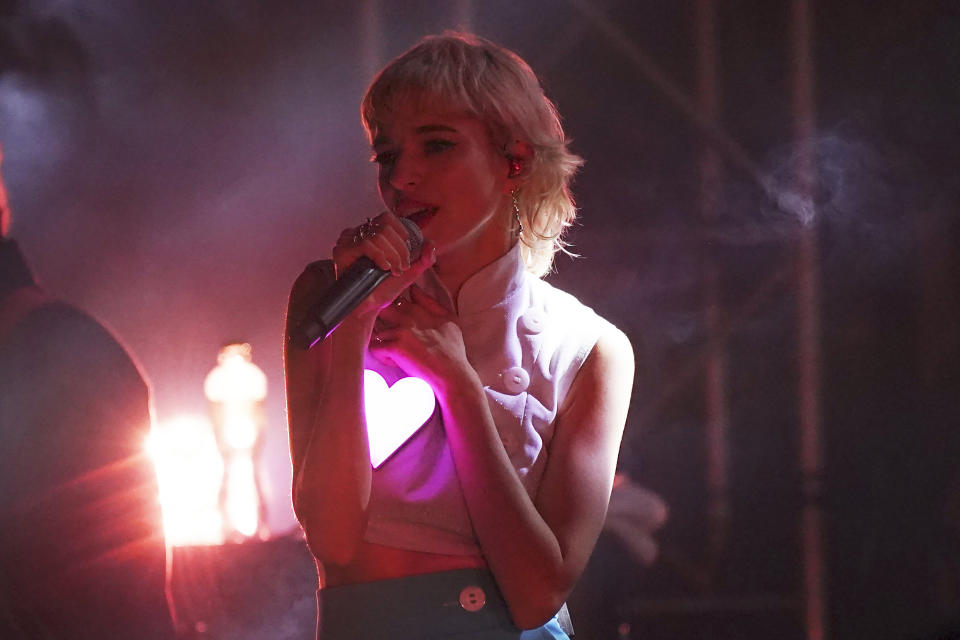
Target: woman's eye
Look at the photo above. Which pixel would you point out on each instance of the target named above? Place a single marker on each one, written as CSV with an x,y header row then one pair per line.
x,y
439,146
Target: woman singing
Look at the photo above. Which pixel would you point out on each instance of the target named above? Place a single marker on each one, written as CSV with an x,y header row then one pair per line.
x,y
479,525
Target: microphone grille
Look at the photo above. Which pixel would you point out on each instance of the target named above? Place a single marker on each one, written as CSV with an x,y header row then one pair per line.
x,y
415,239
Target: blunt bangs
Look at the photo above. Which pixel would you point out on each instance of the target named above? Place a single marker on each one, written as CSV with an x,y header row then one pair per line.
x,y
463,72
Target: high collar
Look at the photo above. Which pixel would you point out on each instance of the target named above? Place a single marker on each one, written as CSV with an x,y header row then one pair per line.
x,y
14,272
493,283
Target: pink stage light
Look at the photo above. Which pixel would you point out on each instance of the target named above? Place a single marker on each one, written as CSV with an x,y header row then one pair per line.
x,y
394,413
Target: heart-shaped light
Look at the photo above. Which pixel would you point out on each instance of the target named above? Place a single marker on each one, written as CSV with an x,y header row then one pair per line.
x,y
394,413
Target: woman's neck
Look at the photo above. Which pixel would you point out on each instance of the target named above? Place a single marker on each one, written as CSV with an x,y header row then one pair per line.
x,y
453,272
471,254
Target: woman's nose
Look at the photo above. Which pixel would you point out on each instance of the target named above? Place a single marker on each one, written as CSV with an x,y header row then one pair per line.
x,y
405,172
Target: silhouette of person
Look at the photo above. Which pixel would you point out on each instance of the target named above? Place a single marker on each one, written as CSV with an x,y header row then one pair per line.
x,y
82,553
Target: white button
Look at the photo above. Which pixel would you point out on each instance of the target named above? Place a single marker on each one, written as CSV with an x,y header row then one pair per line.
x,y
515,379
532,321
472,598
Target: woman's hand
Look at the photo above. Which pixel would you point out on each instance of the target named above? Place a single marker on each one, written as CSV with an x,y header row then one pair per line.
x,y
421,337
385,241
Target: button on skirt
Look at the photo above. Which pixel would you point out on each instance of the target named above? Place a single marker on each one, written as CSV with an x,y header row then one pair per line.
x,y
464,604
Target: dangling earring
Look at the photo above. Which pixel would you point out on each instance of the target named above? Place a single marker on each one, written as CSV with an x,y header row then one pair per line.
x,y
515,195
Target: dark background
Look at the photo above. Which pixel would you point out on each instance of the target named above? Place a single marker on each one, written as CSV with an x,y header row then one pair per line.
x,y
172,166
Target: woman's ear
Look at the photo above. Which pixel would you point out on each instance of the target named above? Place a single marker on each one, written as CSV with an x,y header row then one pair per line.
x,y
519,160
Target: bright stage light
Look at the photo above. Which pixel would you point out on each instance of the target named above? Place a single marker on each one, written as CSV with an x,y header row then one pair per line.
x,y
189,469
242,499
236,389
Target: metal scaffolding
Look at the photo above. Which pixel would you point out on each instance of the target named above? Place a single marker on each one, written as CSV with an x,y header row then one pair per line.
x,y
717,150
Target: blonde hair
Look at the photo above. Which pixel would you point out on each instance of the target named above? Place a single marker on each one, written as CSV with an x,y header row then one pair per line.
x,y
496,86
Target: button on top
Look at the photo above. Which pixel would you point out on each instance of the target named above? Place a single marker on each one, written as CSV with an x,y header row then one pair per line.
x,y
515,379
472,598
532,321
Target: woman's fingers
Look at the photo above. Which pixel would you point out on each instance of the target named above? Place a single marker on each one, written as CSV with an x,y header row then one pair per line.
x,y
396,257
401,313
393,286
398,236
427,302
421,309
428,256
387,220
384,240
384,337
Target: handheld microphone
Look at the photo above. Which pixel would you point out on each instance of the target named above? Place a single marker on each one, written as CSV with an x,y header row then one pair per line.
x,y
347,292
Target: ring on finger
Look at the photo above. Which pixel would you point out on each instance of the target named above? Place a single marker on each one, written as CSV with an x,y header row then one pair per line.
x,y
366,230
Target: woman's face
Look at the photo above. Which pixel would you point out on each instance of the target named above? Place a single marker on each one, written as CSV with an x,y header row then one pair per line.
x,y
440,167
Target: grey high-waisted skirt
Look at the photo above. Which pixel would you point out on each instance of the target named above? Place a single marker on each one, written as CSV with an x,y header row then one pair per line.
x,y
464,604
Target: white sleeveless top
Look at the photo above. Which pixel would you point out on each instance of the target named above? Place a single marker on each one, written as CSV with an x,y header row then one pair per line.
x,y
527,341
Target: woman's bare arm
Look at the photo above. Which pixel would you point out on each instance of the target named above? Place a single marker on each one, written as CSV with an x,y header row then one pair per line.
x,y
328,445
324,385
536,550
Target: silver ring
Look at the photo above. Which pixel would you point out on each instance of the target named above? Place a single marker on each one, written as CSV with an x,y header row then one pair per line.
x,y
366,230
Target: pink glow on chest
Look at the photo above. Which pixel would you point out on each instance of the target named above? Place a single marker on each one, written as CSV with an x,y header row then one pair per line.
x,y
394,413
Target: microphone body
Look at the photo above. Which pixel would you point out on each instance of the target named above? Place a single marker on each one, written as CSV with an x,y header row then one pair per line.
x,y
356,283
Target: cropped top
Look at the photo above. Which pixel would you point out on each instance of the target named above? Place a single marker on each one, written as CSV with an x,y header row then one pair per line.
x,y
527,341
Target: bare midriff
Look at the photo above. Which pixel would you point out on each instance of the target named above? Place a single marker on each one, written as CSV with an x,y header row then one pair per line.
x,y
377,562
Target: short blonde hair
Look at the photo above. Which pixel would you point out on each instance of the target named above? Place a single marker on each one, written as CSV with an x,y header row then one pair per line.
x,y
496,86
